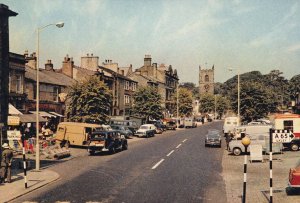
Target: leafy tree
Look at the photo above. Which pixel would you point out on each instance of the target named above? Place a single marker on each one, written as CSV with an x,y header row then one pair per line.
x,y
185,102
191,87
279,86
147,103
207,103
89,101
222,105
294,87
294,90
256,101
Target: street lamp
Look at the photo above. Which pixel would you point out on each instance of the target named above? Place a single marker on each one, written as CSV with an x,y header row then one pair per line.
x,y
59,25
238,74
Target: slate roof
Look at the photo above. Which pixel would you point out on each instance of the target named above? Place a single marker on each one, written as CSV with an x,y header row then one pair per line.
x,y
49,77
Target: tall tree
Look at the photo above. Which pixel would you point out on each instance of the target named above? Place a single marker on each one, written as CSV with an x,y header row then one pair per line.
x,y
256,101
207,103
222,105
185,102
89,101
147,103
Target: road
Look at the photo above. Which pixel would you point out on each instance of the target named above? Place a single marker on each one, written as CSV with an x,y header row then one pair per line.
x,y
172,167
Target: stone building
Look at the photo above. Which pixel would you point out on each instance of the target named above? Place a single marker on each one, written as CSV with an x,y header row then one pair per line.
x,y
206,81
163,77
114,77
52,85
17,95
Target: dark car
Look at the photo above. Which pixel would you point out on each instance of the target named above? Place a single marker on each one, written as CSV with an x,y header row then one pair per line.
x,y
123,130
107,141
213,138
159,128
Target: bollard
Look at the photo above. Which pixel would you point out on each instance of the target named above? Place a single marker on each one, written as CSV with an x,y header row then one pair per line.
x,y
246,142
271,171
24,160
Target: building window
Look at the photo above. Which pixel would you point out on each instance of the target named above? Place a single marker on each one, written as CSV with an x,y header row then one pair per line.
x,y
126,85
206,78
56,91
288,125
19,84
126,99
133,86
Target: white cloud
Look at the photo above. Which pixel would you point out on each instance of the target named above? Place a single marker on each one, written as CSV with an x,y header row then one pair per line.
x,y
293,48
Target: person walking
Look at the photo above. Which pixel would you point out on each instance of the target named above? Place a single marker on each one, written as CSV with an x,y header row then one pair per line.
x,y
228,139
7,156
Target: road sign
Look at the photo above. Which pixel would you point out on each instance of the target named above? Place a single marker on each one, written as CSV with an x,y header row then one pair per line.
x,y
283,136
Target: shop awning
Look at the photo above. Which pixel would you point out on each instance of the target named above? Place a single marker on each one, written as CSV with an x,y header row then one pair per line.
x,y
13,110
31,118
43,114
56,114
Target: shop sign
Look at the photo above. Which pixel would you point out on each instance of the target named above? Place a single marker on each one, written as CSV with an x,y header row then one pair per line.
x,y
13,120
13,135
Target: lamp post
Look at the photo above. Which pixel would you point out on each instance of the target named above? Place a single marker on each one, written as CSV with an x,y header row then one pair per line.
x,y
177,108
246,142
59,25
238,74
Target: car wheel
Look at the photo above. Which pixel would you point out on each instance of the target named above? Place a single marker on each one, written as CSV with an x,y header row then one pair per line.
x,y
112,150
125,146
92,153
237,151
294,147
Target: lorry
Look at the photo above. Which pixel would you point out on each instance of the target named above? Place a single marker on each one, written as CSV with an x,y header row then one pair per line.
x,y
190,123
230,123
73,133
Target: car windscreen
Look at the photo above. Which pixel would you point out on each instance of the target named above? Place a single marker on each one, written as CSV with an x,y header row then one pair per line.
x,y
98,136
144,127
213,135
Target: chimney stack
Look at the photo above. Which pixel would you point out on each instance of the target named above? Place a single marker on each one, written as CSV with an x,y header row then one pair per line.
x,y
49,65
147,60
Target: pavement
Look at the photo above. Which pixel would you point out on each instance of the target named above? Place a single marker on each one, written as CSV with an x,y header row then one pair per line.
x,y
35,180
258,178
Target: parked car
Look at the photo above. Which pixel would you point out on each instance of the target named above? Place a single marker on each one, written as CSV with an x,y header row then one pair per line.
x,y
123,130
107,141
237,148
131,124
213,138
159,128
146,130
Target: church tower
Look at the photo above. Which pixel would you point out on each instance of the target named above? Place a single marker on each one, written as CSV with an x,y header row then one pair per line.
x,y
206,81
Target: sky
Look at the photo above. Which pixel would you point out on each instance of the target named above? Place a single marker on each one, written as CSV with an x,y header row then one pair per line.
x,y
244,35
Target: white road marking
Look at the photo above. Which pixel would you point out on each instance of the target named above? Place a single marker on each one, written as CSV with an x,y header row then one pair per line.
x,y
170,153
157,164
184,140
178,146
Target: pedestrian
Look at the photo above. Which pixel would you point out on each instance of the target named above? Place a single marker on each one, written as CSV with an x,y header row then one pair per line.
x,y
228,139
7,157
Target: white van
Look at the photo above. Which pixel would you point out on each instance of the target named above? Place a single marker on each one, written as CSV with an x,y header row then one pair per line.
x,y
189,123
230,123
251,130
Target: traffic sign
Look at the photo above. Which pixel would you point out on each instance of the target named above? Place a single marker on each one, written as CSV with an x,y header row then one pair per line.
x,y
283,136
